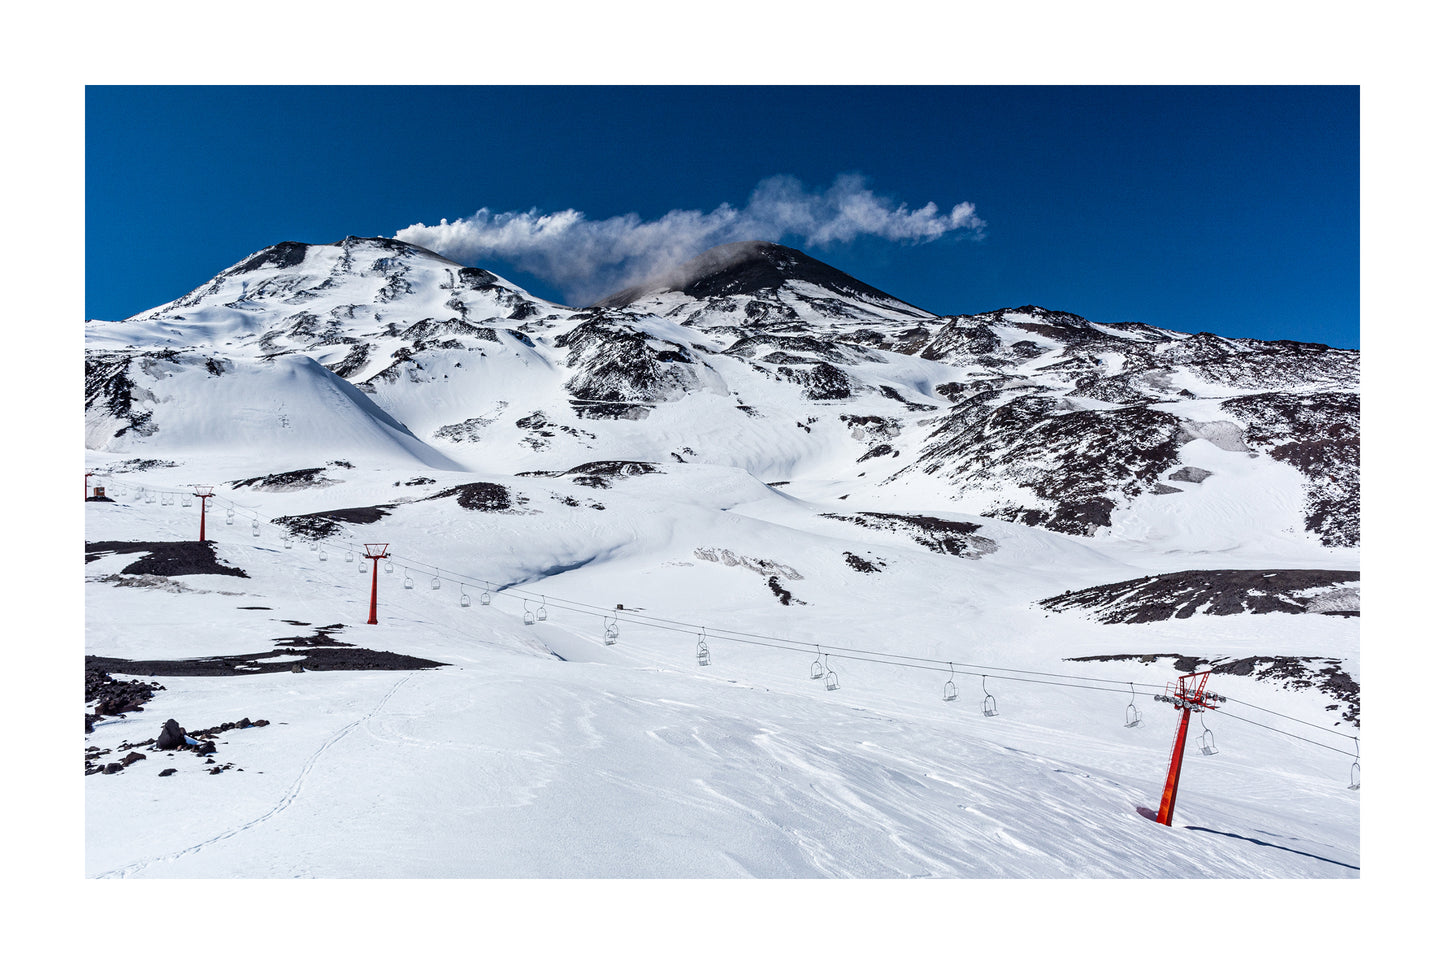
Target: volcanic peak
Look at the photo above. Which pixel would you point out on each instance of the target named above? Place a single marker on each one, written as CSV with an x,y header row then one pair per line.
x,y
745,268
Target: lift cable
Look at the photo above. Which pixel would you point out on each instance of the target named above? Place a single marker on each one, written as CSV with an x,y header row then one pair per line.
x,y
797,646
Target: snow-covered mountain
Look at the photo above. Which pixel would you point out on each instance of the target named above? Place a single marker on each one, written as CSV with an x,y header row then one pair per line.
x,y
752,355
754,450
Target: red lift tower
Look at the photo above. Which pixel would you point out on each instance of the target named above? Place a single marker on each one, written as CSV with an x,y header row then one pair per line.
x,y
1189,697
203,492
375,551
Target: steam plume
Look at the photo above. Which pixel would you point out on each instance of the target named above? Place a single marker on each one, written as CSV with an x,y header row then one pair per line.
x,y
587,259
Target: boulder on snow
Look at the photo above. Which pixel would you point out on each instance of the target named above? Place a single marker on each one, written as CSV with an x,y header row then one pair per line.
x,y
172,736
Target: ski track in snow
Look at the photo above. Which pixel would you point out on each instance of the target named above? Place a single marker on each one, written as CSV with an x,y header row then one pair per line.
x,y
289,797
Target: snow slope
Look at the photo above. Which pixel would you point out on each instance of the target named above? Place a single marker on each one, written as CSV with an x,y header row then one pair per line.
x,y
786,493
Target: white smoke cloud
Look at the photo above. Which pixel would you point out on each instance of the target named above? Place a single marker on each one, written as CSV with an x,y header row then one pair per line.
x,y
587,259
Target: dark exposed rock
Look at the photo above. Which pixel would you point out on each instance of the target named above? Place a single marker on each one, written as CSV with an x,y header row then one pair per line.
x,y
316,659
1179,595
324,525
859,564
1190,474
172,736
751,268
482,496
944,536
286,481
165,558
784,596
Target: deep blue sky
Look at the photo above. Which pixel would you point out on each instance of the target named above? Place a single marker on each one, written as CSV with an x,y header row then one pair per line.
x,y
1227,209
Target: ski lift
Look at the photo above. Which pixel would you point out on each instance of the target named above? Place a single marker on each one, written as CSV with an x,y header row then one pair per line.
x,y
406,581
1355,767
436,581
542,611
1131,712
950,689
230,517
350,556
831,679
817,671
360,563
704,657
990,705
313,545
389,567
486,599
1206,743
609,631
256,527
528,617
466,600
321,554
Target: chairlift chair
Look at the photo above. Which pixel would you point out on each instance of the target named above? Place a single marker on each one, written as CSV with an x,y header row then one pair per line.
x,y
609,631
542,611
704,657
528,617
950,689
831,679
436,581
1206,743
817,672
406,581
256,528
1131,712
321,554
350,556
230,517
389,567
466,600
486,597
360,564
1355,767
990,705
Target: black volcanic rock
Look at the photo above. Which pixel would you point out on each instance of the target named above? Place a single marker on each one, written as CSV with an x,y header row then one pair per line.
x,y
745,268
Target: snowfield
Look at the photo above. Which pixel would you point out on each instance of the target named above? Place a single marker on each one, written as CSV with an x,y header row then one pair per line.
x,y
705,630
539,751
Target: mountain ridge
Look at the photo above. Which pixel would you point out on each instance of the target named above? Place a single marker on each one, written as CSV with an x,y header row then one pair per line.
x,y
988,408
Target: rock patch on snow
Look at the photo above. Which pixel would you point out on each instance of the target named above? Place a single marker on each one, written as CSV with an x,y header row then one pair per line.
x,y
1219,592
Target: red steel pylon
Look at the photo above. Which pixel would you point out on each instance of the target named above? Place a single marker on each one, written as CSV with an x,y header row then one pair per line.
x,y
203,492
374,551
1190,697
